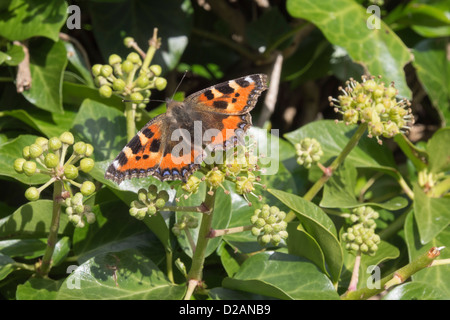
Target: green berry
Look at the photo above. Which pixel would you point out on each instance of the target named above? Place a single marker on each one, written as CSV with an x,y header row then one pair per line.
x,y
134,58
18,164
160,83
105,91
151,210
106,71
54,144
118,85
29,168
87,188
26,152
51,160
67,138
142,81
114,59
127,66
142,195
133,211
96,69
79,148
32,194
71,172
160,203
156,69
128,42
89,150
35,151
136,97
42,142
141,214
79,208
87,164
77,198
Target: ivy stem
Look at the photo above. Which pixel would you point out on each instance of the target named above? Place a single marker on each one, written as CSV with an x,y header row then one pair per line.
x,y
154,45
335,164
190,239
130,112
221,232
423,261
46,262
196,272
355,274
169,256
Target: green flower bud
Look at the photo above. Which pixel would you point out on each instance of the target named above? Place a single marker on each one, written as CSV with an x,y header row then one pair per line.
x,y
29,168
71,172
134,58
160,203
69,211
87,164
141,214
136,97
79,208
128,42
133,211
26,152
67,138
105,91
118,85
42,142
54,144
75,219
156,69
87,188
79,148
114,59
18,164
214,178
35,151
260,223
32,194
142,81
106,71
51,160
89,150
256,231
127,66
151,209
77,198
265,239
80,224
96,69
160,83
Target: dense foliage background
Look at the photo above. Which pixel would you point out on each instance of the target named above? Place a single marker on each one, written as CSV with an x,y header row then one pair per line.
x,y
308,49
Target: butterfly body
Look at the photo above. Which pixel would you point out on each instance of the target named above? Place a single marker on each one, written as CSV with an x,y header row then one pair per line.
x,y
172,145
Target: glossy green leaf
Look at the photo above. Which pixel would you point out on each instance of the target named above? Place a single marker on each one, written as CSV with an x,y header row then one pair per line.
x,y
439,276
62,249
432,214
38,289
433,69
438,148
32,220
13,56
415,291
48,60
120,275
345,23
339,192
272,274
319,226
9,152
24,19
100,126
6,266
25,248
75,93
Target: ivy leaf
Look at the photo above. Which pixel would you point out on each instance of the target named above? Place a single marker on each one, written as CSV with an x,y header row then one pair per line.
x,y
272,273
345,23
48,60
126,274
24,19
38,289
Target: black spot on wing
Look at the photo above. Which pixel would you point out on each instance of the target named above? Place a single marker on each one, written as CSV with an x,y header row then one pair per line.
x,y
155,145
148,133
135,144
242,82
208,94
220,104
122,158
224,88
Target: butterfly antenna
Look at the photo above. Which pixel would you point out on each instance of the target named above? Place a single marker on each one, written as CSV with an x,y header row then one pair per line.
x,y
182,78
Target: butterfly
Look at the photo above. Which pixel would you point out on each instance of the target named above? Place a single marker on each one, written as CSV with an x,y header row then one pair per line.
x,y
211,119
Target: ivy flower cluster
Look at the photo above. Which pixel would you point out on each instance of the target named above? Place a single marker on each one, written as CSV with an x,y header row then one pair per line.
x,y
361,236
372,102
149,202
269,225
309,151
76,210
47,156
